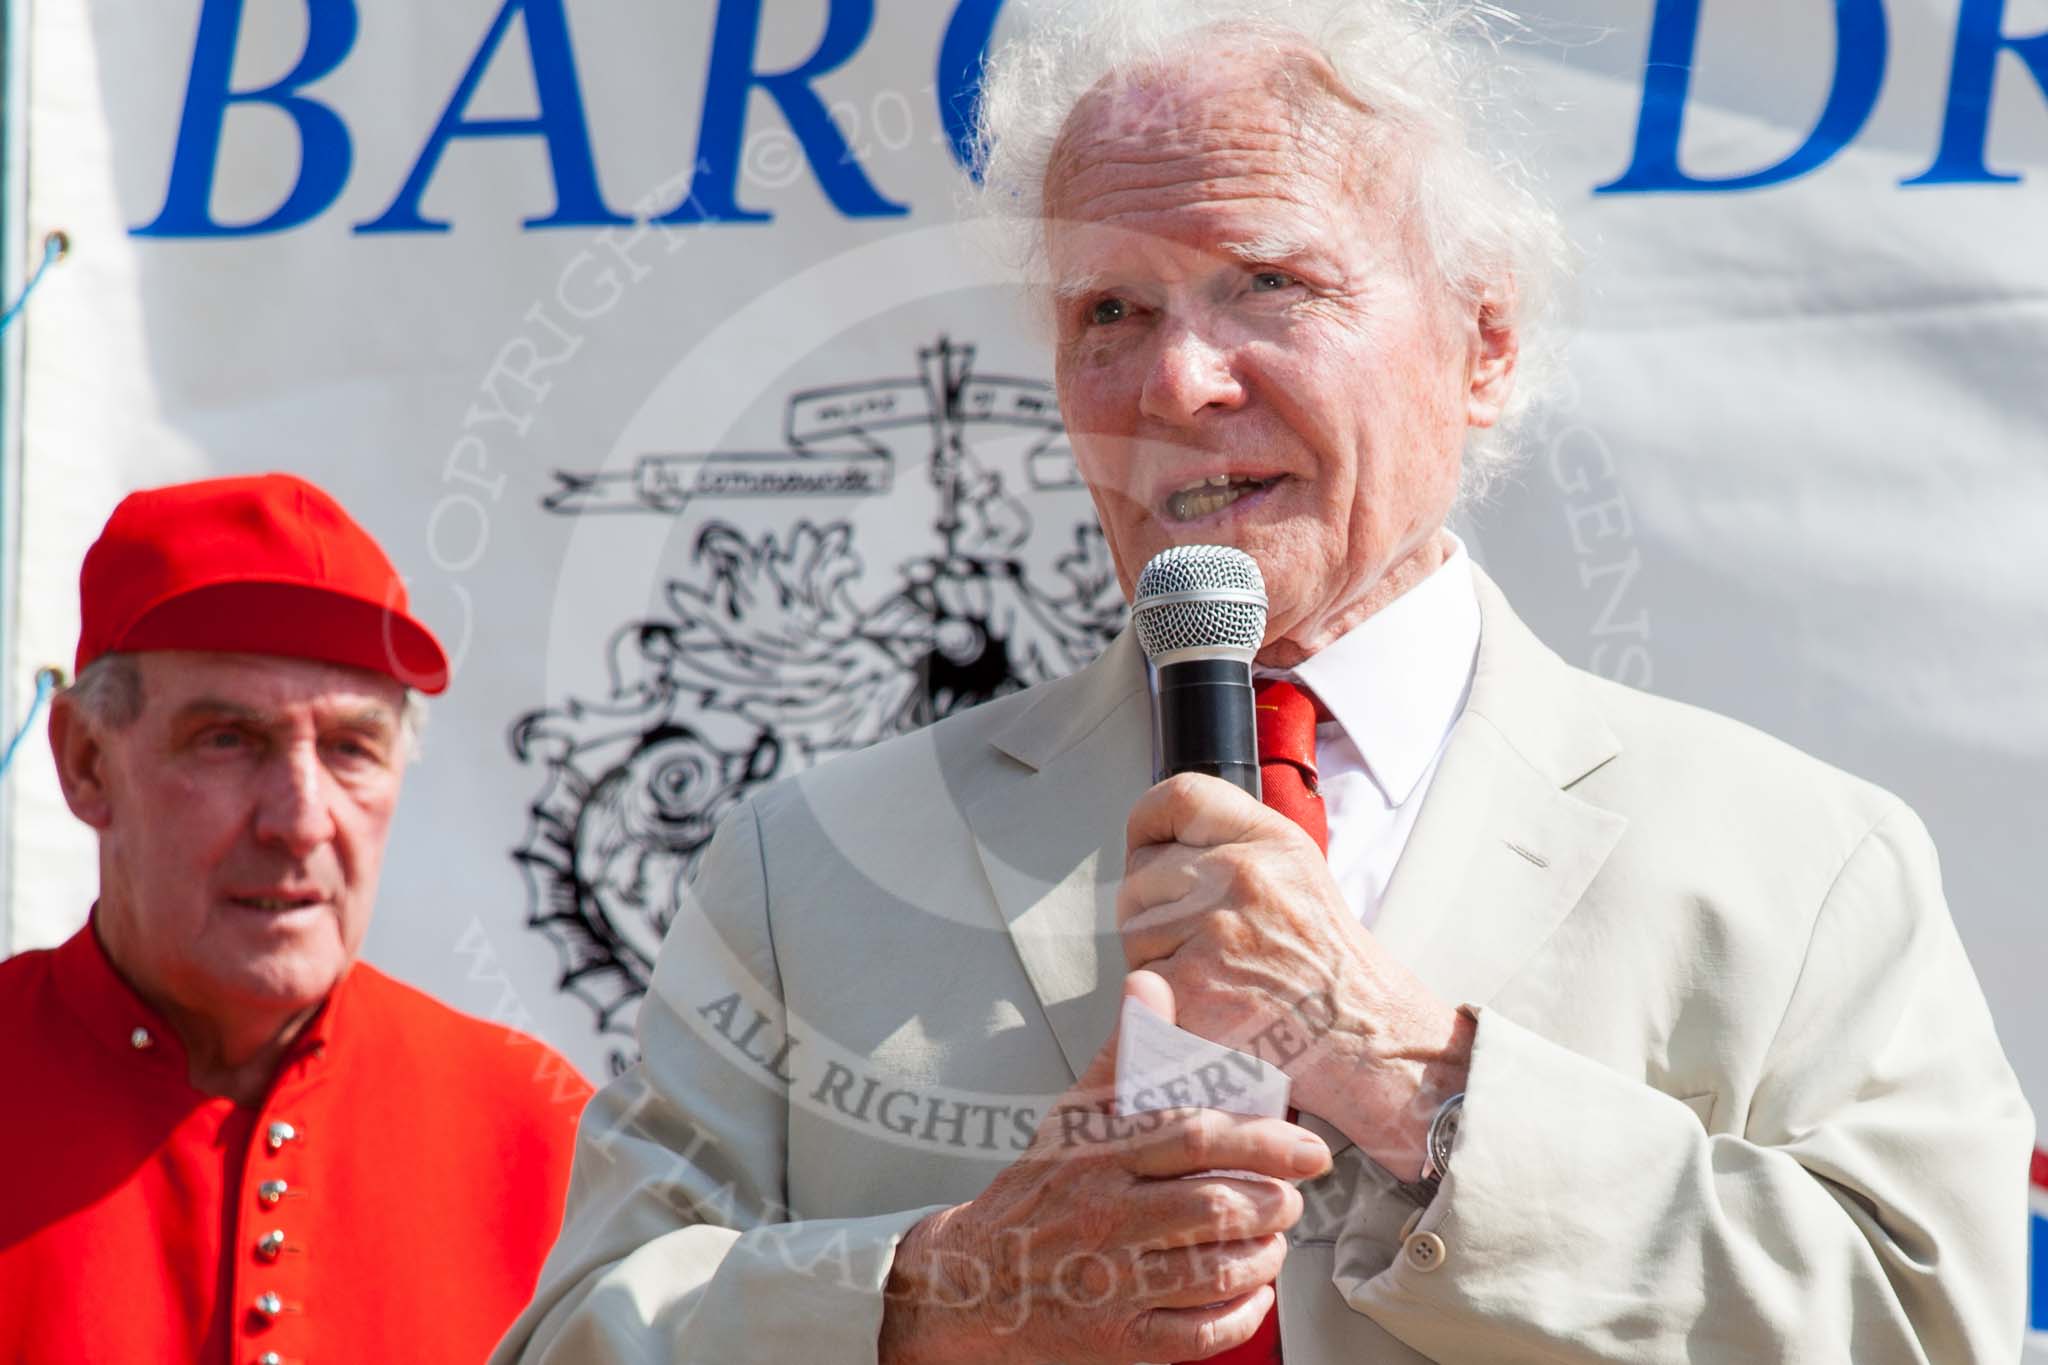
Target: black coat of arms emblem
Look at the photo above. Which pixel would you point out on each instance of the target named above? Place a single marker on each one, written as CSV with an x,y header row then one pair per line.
x,y
776,653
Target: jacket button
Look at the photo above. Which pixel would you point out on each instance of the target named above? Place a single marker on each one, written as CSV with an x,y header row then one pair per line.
x,y
269,1305
141,1040
270,1191
280,1133
272,1244
1425,1251
270,1358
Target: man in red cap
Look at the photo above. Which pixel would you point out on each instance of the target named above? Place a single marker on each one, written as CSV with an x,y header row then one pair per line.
x,y
227,1141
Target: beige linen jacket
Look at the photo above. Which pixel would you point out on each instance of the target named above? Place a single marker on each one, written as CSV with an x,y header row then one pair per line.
x,y
1735,1093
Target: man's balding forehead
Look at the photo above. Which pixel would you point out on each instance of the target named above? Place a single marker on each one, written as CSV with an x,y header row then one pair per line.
x,y
1288,93
1173,89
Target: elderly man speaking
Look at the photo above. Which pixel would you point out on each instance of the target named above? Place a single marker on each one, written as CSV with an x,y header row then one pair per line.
x,y
1637,1036
226,1140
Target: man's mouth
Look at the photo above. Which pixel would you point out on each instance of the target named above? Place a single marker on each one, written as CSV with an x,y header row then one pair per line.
x,y
298,902
1212,495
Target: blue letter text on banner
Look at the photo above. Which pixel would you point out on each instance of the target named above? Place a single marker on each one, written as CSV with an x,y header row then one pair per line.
x,y
560,123
713,194
323,137
1980,39
1861,41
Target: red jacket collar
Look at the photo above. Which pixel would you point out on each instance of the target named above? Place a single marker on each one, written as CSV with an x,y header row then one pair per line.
x,y
120,1020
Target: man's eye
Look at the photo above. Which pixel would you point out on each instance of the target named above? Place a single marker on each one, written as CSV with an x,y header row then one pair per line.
x,y
1265,281
1107,311
357,751
225,740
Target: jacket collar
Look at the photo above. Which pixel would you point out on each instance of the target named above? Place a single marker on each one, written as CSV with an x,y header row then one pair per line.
x,y
1500,853
1067,710
1051,837
1502,850
117,1018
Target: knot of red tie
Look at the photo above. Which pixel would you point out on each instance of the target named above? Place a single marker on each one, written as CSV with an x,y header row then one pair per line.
x,y
1287,716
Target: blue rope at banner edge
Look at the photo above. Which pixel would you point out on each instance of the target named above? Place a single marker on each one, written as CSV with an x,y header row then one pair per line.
x,y
55,245
48,680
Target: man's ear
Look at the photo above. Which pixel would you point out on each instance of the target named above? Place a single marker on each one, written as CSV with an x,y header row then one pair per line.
x,y
81,764
1496,345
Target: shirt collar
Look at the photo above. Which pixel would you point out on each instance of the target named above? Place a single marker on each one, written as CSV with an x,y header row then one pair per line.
x,y
1397,681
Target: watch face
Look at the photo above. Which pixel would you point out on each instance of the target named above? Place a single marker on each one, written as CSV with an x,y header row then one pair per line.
x,y
1443,1133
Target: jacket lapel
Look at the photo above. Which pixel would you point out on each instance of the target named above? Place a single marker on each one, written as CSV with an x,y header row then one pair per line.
x,y
1501,850
1051,838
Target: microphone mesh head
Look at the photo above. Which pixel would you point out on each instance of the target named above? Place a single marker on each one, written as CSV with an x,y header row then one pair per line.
x,y
1214,601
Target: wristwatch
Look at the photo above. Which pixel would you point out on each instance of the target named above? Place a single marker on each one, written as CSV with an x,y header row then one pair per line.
x,y
1436,1147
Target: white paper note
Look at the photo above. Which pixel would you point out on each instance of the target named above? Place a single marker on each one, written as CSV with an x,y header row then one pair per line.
x,y
1159,1066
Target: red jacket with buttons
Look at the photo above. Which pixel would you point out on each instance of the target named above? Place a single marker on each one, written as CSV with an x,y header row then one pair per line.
x,y
392,1199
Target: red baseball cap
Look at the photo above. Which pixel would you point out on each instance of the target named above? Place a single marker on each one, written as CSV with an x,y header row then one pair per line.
x,y
267,564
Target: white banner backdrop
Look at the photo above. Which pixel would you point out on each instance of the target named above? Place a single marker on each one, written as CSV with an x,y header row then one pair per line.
x,y
645,339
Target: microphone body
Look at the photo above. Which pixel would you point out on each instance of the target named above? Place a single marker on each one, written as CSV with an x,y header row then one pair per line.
x,y
1206,723
1200,613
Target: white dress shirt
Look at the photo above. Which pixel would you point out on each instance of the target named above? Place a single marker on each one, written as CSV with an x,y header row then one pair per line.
x,y
1396,684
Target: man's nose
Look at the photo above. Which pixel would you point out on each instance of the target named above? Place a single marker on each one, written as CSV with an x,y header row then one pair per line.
x,y
294,810
1190,373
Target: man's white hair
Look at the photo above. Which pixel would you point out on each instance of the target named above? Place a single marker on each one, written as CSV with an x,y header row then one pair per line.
x,y
1427,72
108,691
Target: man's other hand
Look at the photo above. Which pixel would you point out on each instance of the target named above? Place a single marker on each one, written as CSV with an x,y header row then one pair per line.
x,y
1095,1247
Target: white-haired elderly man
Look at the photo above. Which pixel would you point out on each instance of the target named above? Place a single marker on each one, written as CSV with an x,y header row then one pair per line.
x,y
1635,1035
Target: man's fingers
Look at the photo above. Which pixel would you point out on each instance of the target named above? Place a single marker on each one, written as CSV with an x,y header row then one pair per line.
x,y
1212,1210
1158,933
1199,1276
1155,906
1197,810
1198,1333
1189,1141
1157,874
1168,879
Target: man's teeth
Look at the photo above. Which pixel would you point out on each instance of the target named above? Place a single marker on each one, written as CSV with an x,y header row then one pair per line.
x,y
1209,496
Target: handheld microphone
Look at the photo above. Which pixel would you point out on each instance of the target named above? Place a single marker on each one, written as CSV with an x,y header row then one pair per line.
x,y
1200,613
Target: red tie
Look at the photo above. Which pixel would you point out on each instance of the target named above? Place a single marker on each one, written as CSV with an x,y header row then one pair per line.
x,y
1287,719
1287,755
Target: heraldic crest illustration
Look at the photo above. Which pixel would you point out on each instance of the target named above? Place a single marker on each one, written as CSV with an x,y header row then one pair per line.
x,y
782,647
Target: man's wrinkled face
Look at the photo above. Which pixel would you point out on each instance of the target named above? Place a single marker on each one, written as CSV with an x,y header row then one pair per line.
x,y
244,817
1253,348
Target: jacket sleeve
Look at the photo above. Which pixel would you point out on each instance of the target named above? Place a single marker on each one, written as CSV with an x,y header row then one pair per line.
x,y
677,1244
1869,1206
